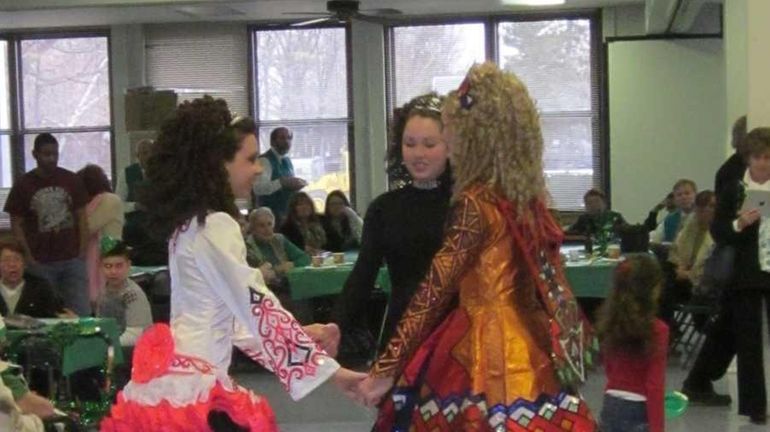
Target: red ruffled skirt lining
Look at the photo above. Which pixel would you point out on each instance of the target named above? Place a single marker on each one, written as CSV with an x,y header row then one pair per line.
x,y
245,409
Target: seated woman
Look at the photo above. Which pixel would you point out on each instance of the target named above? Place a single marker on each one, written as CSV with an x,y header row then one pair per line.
x,y
687,257
264,246
341,223
303,225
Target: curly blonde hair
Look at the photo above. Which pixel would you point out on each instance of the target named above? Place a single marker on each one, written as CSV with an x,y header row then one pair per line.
x,y
497,136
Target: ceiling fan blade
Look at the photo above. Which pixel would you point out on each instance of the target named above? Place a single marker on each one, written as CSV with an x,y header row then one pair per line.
x,y
382,11
307,13
312,21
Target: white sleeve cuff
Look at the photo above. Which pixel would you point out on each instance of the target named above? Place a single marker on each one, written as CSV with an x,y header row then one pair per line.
x,y
736,228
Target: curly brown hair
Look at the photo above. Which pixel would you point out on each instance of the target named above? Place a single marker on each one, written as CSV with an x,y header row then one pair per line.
x,y
185,173
626,318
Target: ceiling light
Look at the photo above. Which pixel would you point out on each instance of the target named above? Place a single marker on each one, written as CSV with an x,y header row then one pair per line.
x,y
533,2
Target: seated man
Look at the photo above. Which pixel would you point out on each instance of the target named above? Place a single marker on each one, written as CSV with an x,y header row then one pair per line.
x,y
684,198
598,220
23,293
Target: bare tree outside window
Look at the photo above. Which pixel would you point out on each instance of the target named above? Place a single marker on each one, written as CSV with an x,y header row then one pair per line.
x,y
553,58
302,83
66,90
434,57
6,169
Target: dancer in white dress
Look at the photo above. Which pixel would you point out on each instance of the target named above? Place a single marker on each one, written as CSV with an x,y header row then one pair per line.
x,y
179,380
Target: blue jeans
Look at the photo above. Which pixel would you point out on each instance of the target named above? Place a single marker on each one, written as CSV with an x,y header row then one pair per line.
x,y
620,415
70,280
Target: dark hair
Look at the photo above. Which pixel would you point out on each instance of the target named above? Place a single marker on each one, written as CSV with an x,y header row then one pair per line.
x,y
185,174
346,228
12,245
94,179
121,248
596,193
291,214
626,317
43,139
274,132
758,141
429,106
704,198
739,134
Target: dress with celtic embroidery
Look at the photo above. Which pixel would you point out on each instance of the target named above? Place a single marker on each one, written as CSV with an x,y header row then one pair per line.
x,y
217,301
487,364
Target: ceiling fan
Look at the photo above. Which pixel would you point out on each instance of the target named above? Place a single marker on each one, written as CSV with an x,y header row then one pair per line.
x,y
344,11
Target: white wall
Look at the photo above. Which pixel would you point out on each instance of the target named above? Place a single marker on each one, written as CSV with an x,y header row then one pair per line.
x,y
758,63
667,118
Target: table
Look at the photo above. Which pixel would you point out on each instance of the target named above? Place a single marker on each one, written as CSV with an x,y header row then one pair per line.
x,y
87,350
588,279
591,279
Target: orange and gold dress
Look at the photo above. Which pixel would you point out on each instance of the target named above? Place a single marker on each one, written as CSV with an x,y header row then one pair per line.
x,y
491,364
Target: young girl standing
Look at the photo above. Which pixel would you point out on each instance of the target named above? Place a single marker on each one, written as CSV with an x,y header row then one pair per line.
x,y
634,347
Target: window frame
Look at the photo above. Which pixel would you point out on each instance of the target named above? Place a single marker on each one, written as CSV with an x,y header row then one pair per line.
x,y
253,85
599,73
15,76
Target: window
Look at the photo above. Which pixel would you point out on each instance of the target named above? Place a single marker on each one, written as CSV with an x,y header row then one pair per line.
x,y
302,83
195,59
65,90
556,58
6,167
433,58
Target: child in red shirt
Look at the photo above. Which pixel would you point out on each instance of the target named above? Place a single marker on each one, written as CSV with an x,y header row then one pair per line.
x,y
634,348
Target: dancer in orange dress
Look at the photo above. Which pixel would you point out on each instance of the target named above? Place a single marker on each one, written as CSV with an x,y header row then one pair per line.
x,y
506,358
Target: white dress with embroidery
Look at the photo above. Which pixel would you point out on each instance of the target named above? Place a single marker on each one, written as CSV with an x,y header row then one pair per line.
x,y
218,301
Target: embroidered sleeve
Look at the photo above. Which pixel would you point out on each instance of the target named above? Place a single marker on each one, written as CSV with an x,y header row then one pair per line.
x,y
277,339
429,304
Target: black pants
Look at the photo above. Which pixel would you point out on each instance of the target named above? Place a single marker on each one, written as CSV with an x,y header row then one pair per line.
x,y
737,331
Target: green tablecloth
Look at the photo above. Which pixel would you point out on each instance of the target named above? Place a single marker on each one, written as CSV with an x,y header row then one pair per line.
x,y
591,280
587,280
87,350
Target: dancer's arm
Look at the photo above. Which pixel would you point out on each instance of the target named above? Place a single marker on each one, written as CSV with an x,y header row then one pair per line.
x,y
278,342
462,240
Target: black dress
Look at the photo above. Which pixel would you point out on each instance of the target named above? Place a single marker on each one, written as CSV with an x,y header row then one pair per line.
x,y
403,229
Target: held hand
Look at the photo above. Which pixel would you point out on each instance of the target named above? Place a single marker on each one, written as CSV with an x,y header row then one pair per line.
x,y
748,218
372,389
327,336
32,403
268,274
348,382
682,274
286,267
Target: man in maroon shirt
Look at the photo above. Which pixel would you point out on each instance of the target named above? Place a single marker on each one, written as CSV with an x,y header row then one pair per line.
x,y
47,208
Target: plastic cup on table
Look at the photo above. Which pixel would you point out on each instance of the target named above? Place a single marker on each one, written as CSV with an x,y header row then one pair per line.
x,y
317,261
675,404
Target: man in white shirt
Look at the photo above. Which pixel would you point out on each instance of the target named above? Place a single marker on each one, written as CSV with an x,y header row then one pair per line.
x,y
275,186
